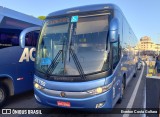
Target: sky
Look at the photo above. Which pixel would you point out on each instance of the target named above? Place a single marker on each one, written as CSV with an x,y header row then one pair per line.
x,y
142,15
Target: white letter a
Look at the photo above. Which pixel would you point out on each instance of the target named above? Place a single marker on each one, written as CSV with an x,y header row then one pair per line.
x,y
25,55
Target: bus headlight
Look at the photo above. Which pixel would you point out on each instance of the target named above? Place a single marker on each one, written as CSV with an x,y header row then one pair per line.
x,y
100,90
37,86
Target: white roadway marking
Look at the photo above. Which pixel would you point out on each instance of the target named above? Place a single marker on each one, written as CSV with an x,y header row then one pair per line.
x,y
133,96
144,101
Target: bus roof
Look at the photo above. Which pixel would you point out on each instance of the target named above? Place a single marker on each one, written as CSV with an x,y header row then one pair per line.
x,y
19,16
83,9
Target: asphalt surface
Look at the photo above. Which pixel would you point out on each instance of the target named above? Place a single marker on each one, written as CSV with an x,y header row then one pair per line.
x,y
152,93
152,90
27,100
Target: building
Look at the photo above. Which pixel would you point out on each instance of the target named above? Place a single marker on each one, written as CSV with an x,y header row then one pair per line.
x,y
147,45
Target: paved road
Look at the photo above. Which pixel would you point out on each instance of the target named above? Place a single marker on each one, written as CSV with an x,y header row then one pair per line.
x,y
152,90
152,94
133,91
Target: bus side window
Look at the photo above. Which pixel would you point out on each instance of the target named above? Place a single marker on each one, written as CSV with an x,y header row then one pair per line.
x,y
15,40
115,53
31,38
9,39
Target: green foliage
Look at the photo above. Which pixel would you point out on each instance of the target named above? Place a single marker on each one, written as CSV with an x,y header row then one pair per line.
x,y
42,17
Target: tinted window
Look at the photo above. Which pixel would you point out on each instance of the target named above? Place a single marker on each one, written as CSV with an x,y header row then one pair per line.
x,y
115,54
80,47
9,38
31,39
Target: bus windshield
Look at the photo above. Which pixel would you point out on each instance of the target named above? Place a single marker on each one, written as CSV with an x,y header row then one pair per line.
x,y
73,45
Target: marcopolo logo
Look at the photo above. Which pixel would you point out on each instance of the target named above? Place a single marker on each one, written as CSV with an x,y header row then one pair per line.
x,y
27,55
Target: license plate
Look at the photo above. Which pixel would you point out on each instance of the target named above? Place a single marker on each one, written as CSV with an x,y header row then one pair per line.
x,y
61,103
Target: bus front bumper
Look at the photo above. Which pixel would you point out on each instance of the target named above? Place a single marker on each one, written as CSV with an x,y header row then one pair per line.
x,y
103,100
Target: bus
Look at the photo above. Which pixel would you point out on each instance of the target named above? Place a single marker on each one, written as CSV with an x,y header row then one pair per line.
x,y
16,64
85,58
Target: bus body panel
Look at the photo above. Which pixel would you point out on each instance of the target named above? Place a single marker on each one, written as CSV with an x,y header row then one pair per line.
x,y
123,70
77,103
5,12
20,72
89,102
82,9
72,86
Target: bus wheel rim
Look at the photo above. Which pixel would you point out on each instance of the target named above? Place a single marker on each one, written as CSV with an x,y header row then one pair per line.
x,y
1,95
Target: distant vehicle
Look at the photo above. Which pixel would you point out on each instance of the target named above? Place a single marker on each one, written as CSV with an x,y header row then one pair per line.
x,y
139,65
85,57
17,66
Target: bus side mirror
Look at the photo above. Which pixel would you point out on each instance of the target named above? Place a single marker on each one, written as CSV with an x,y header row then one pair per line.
x,y
113,30
23,35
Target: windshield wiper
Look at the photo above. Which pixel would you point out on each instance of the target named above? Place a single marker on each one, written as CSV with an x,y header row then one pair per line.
x,y
74,56
54,63
77,63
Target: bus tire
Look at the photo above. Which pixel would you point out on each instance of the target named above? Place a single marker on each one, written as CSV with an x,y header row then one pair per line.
x,y
3,94
135,74
122,91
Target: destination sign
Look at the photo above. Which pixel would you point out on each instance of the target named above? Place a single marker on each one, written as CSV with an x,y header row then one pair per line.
x,y
57,21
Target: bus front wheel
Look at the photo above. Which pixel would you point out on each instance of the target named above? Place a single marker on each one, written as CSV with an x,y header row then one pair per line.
x,y
122,91
3,94
135,74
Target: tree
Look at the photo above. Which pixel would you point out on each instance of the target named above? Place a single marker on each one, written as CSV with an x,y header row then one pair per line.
x,y
42,17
